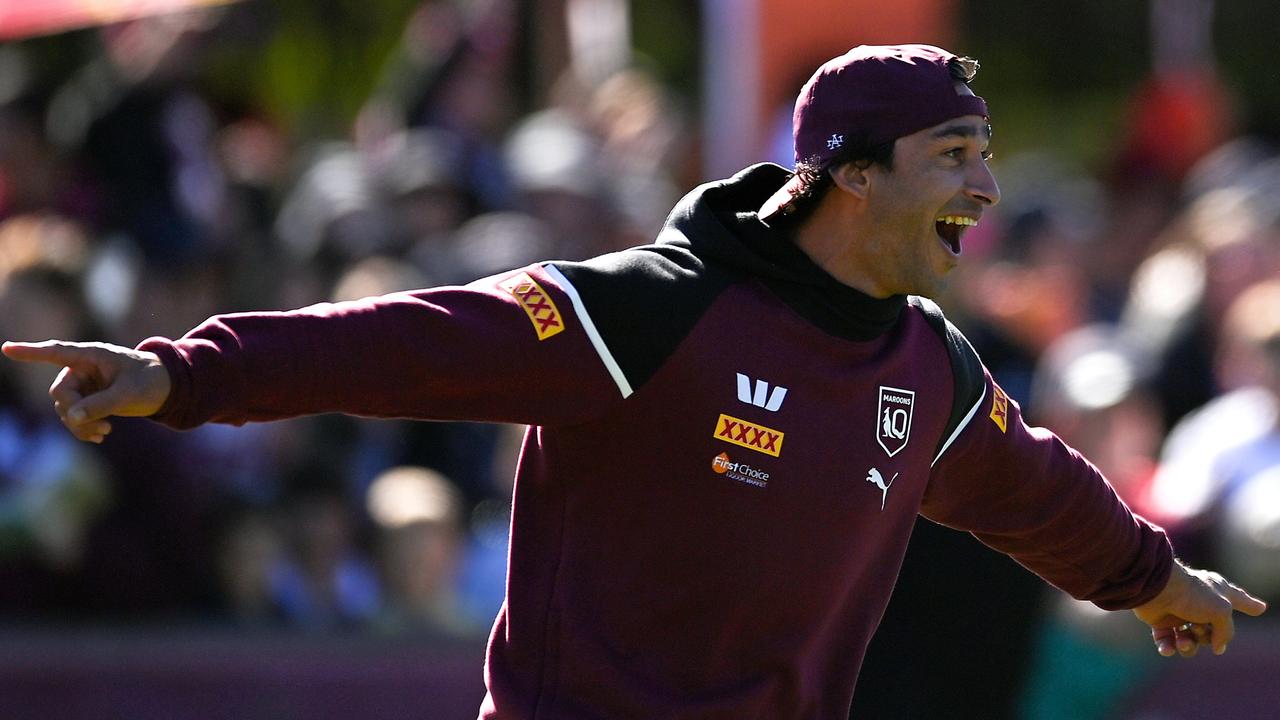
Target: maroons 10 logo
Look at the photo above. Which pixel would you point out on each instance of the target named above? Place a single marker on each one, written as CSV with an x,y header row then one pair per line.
x,y
893,416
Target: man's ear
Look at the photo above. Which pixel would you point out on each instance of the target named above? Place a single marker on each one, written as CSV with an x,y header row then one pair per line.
x,y
852,179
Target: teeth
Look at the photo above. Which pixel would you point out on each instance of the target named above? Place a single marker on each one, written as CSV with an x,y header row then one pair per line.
x,y
958,220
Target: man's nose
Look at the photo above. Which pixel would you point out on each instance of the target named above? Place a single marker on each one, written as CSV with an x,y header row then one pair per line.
x,y
982,185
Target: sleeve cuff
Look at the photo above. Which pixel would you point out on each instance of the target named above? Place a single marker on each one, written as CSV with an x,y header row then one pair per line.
x,y
170,413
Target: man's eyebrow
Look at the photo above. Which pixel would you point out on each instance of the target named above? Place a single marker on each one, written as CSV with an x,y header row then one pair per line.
x,y
964,131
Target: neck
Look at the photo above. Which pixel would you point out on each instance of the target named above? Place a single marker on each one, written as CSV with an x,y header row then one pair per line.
x,y
831,239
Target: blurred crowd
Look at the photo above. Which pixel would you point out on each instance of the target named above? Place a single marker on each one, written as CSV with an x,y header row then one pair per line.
x,y
1134,309
132,204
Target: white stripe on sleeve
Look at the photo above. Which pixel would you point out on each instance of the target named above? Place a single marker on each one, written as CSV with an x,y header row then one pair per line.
x,y
963,424
615,371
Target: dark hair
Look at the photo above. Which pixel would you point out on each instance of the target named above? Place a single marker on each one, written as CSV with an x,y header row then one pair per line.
x,y
815,180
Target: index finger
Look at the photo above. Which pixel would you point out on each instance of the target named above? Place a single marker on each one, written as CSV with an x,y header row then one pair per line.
x,y
1242,601
54,352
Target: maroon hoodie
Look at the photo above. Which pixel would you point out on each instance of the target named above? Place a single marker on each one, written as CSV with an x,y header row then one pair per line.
x,y
728,450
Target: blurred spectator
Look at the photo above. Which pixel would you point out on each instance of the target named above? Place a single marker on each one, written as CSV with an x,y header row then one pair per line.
x,y
641,129
558,176
483,579
322,581
418,513
1248,476
420,173
249,548
146,134
1186,485
376,275
496,242
1227,239
333,215
451,71
1025,287
32,176
51,487
1092,389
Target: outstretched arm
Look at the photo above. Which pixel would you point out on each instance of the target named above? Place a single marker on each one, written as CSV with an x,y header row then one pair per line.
x,y
1195,608
1023,491
97,381
510,348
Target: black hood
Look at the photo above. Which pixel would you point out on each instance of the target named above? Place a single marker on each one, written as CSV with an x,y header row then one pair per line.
x,y
718,223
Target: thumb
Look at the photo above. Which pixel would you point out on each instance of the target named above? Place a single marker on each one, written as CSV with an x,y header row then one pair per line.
x,y
96,406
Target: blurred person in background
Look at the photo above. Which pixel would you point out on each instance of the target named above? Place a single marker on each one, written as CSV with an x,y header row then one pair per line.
x,y
419,518
558,176
492,242
451,71
334,215
1092,388
322,580
51,491
482,582
1246,478
788,278
145,134
1026,287
419,172
1225,239
642,129
1181,300
249,548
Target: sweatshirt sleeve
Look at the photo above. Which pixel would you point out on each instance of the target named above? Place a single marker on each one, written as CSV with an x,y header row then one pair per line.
x,y
1024,492
510,348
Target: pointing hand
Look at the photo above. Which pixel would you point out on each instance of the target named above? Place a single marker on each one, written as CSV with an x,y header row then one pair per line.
x,y
1195,609
97,381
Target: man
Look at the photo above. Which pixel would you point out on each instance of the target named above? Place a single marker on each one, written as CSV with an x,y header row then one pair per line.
x,y
733,430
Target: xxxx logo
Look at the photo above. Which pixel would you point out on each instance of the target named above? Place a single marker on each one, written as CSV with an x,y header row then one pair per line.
x,y
1000,409
749,435
542,312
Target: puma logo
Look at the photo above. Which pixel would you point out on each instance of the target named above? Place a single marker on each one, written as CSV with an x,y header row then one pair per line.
x,y
874,477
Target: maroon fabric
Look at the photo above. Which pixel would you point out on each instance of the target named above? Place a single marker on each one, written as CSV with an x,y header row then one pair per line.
x,y
876,93
644,582
1023,491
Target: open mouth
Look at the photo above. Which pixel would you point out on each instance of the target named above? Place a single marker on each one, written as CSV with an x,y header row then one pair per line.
x,y
951,227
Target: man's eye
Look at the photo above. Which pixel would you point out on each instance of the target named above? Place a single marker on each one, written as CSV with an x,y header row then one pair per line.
x,y
956,153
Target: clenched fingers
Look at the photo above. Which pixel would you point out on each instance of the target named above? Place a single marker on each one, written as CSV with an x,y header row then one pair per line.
x,y
67,390
1184,639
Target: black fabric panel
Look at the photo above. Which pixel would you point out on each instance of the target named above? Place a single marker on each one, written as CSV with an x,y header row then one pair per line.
x,y
645,301
966,366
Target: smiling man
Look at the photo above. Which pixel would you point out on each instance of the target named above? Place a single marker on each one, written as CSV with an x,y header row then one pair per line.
x,y
732,430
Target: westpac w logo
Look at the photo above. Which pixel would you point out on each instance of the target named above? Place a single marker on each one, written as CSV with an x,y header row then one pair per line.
x,y
760,396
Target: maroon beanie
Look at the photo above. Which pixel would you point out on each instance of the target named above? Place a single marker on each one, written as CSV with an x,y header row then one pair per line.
x,y
877,94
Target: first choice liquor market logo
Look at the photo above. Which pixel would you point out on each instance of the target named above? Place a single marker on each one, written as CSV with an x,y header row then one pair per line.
x,y
741,472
